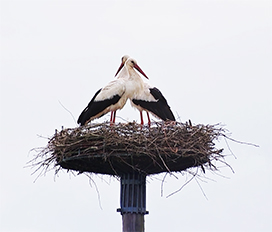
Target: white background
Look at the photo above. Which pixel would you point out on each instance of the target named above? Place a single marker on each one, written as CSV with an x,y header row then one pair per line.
x,y
211,60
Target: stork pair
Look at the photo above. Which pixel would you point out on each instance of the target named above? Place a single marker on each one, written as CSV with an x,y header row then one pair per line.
x,y
128,85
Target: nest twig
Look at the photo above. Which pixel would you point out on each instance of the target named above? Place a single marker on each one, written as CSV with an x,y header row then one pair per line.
x,y
125,148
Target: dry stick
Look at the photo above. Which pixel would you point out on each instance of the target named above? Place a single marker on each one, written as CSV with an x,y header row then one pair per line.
x,y
229,147
163,183
131,138
113,168
171,173
201,188
164,164
224,162
169,145
182,186
245,143
96,188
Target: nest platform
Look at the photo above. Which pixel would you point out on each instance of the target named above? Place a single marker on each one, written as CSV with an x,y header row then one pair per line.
x,y
126,148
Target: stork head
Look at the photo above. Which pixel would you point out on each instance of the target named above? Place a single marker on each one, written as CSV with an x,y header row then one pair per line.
x,y
123,59
131,63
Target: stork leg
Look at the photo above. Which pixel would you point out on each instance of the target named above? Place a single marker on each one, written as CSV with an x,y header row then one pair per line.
x,y
149,122
142,120
111,118
114,115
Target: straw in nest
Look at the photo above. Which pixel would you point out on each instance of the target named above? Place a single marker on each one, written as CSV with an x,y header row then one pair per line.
x,y
126,148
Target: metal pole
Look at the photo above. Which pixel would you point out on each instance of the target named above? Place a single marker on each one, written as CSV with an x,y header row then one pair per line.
x,y
133,201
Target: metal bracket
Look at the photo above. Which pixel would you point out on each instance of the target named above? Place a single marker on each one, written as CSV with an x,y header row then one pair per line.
x,y
133,193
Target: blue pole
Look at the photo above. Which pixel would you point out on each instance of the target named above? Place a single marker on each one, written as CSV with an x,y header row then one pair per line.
x,y
133,201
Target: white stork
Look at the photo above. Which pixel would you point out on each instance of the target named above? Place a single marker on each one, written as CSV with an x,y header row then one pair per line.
x,y
142,96
110,98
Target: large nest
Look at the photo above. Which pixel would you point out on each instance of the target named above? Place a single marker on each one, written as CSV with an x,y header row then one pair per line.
x,y
126,148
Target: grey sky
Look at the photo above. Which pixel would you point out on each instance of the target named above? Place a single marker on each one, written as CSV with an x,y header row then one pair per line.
x,y
211,60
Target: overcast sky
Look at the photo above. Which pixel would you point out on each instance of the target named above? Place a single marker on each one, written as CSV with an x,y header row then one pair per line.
x,y
211,60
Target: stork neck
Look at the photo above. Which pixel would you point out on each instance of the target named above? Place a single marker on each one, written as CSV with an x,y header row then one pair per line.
x,y
134,75
134,85
124,73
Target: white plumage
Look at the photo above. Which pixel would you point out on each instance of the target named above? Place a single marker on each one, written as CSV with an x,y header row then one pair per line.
x,y
142,96
108,99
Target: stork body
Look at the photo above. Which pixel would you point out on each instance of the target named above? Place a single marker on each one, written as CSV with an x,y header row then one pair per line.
x,y
143,97
108,99
151,100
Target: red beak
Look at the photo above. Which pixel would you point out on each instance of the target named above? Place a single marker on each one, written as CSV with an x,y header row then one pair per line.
x,y
140,70
119,69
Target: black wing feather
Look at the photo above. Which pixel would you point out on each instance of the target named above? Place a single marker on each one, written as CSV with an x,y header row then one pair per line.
x,y
95,107
159,108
